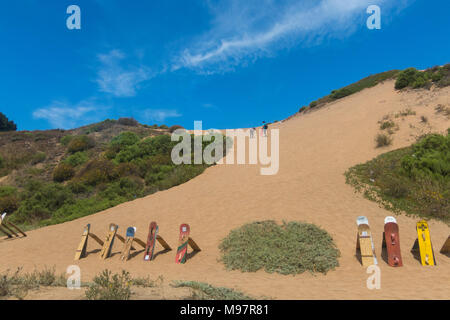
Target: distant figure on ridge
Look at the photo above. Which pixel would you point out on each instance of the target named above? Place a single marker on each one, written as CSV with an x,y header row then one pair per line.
x,y
265,126
252,133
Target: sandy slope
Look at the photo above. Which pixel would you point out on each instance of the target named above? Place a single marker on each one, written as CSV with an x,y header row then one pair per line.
x,y
315,150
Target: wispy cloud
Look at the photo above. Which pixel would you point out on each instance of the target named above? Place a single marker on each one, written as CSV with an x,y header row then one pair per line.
x,y
159,115
113,78
244,31
64,115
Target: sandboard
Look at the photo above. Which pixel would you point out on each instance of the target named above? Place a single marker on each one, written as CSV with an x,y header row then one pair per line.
x,y
182,244
423,244
109,241
151,241
364,242
81,251
131,231
391,241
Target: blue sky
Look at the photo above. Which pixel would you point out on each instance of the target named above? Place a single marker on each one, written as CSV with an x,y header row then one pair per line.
x,y
228,63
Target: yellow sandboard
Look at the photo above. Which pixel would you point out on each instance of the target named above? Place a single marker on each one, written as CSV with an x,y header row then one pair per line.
x,y
425,246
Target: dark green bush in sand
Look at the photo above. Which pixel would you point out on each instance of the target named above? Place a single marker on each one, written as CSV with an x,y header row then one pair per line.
x,y
291,248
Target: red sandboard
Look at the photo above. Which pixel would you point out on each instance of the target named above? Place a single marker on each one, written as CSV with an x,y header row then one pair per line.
x,y
183,244
151,241
392,241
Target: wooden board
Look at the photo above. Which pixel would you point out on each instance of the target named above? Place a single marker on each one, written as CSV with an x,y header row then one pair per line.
x,y
109,241
163,243
151,241
81,250
5,232
193,245
125,255
97,239
17,228
391,240
424,242
364,242
446,246
182,244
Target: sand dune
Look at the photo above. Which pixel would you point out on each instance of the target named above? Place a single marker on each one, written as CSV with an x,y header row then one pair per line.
x,y
316,149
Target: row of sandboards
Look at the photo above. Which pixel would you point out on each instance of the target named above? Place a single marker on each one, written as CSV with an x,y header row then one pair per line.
x,y
10,229
422,248
130,239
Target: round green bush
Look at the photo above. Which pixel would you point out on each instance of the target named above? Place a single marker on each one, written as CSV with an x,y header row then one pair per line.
x,y
63,172
80,143
291,248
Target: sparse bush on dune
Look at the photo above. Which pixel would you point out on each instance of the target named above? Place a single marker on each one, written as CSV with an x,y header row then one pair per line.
x,y
382,140
291,248
205,291
18,284
108,286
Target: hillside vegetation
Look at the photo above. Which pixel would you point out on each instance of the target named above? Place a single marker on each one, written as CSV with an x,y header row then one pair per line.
x,y
408,78
415,180
56,176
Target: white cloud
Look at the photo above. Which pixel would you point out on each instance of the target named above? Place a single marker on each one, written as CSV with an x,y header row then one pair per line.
x,y
244,31
117,80
159,115
64,115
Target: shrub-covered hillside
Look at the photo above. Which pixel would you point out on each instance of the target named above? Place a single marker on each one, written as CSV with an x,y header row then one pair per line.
x,y
53,176
408,78
415,180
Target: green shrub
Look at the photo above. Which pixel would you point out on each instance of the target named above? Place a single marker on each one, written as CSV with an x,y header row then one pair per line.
x,y
163,126
97,171
6,124
38,157
383,140
414,180
63,172
291,248
387,124
205,291
9,203
128,122
80,143
406,78
76,159
107,286
66,140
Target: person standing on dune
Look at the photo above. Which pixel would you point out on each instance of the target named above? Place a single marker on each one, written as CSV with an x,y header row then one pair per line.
x,y
265,126
252,133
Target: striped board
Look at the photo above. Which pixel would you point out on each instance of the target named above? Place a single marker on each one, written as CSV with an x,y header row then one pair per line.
x,y
151,241
183,244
